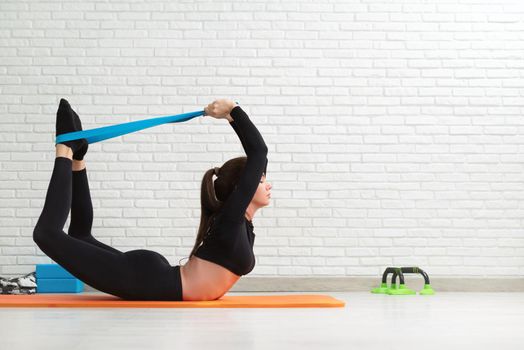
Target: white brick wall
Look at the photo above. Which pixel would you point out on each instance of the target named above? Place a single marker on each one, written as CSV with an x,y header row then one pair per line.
x,y
394,128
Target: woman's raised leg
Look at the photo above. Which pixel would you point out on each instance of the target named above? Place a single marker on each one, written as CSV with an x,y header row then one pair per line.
x,y
82,208
107,271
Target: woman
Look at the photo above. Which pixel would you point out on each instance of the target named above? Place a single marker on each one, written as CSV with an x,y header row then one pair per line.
x,y
223,250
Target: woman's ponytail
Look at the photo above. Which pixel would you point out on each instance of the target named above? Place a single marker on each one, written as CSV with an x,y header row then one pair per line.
x,y
213,194
209,205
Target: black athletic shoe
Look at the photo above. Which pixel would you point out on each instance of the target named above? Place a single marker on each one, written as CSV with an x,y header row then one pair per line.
x,y
19,285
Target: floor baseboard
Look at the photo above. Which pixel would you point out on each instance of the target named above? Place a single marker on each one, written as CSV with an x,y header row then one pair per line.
x,y
365,284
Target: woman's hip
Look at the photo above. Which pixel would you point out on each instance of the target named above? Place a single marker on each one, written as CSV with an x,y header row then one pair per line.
x,y
155,278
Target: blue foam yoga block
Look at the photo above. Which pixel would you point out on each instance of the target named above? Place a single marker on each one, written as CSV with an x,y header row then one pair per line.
x,y
52,271
59,285
53,278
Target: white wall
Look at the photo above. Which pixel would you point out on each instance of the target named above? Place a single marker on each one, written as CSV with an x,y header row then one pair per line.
x,y
394,128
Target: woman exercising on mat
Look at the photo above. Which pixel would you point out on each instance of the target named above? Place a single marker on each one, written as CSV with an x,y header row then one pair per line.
x,y
223,250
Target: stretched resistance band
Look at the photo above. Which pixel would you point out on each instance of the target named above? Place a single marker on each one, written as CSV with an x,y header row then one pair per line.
x,y
108,132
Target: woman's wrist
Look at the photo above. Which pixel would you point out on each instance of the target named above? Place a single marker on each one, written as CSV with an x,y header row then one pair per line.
x,y
228,116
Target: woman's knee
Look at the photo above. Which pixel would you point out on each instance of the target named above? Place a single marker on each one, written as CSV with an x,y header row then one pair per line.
x,y
41,235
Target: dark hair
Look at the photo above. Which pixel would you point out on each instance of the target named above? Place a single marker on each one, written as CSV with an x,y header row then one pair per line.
x,y
213,194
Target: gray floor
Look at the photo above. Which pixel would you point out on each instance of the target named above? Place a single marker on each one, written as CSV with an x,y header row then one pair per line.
x,y
445,320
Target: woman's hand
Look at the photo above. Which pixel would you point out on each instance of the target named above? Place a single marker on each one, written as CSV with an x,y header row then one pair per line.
x,y
220,109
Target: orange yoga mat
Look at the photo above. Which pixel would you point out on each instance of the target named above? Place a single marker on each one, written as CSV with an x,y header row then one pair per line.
x,y
106,300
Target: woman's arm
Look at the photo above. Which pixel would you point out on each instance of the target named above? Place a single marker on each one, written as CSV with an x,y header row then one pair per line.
x,y
224,109
235,206
242,125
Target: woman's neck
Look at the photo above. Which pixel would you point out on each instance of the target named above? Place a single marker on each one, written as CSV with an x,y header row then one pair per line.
x,y
250,212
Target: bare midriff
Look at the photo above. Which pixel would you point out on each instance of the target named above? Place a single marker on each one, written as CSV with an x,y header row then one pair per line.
x,y
205,280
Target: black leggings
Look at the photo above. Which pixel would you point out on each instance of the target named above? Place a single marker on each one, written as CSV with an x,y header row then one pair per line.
x,y
134,275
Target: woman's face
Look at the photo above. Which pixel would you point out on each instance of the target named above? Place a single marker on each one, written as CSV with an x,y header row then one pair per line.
x,y
263,194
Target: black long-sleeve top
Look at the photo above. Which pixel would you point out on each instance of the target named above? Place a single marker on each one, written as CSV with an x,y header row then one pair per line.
x,y
230,239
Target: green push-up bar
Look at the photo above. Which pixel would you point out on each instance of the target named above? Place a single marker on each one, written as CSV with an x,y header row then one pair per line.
x,y
402,289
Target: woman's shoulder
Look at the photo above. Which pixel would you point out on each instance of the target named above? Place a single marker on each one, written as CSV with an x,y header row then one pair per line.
x,y
221,220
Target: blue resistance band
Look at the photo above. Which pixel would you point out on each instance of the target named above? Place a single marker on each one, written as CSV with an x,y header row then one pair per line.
x,y
108,132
